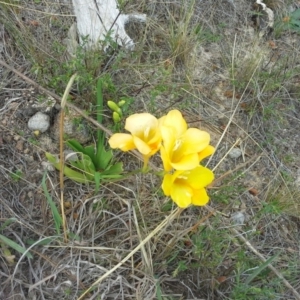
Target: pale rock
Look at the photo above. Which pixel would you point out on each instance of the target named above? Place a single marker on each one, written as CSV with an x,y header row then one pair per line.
x,y
238,218
39,121
235,153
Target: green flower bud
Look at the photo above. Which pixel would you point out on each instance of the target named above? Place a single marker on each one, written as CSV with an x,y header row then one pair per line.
x,y
116,117
114,107
121,103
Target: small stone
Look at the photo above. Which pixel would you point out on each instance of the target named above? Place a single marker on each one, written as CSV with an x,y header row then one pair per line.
x,y
39,122
47,166
238,218
20,145
29,158
235,153
16,137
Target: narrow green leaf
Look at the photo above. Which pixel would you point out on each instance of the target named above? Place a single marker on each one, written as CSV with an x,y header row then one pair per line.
x,y
103,159
70,173
97,178
158,291
115,169
43,242
56,216
90,151
262,267
15,246
7,223
76,176
75,145
85,165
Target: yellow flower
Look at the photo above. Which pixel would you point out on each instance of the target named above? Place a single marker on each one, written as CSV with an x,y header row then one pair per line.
x,y
188,187
145,135
182,148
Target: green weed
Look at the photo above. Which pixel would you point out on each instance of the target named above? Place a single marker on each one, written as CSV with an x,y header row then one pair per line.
x,y
17,175
6,244
93,163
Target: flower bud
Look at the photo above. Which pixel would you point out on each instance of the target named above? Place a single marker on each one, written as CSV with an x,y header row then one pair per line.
x,y
116,117
114,107
121,103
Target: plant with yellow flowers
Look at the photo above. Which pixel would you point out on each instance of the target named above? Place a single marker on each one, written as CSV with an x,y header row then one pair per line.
x,y
181,150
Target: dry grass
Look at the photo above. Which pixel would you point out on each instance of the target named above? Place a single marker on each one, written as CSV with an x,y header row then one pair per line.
x,y
240,87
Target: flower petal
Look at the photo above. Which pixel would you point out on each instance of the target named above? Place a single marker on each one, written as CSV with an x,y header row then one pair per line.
x,y
181,194
165,159
141,146
186,162
194,141
141,124
200,197
175,121
200,177
209,150
168,138
167,184
122,141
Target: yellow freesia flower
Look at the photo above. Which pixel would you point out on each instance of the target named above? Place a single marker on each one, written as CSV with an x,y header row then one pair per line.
x,y
144,135
182,148
188,187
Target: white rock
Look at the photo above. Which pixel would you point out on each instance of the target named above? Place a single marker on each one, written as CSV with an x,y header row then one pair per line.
x,y
238,218
39,121
235,153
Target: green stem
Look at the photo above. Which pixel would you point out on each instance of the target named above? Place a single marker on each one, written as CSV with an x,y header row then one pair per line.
x,y
145,166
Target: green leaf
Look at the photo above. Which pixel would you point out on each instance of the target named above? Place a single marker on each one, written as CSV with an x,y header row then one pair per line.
x,y
261,267
56,215
70,173
296,14
90,151
103,158
7,223
85,165
14,246
115,169
97,178
43,242
75,145
294,25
